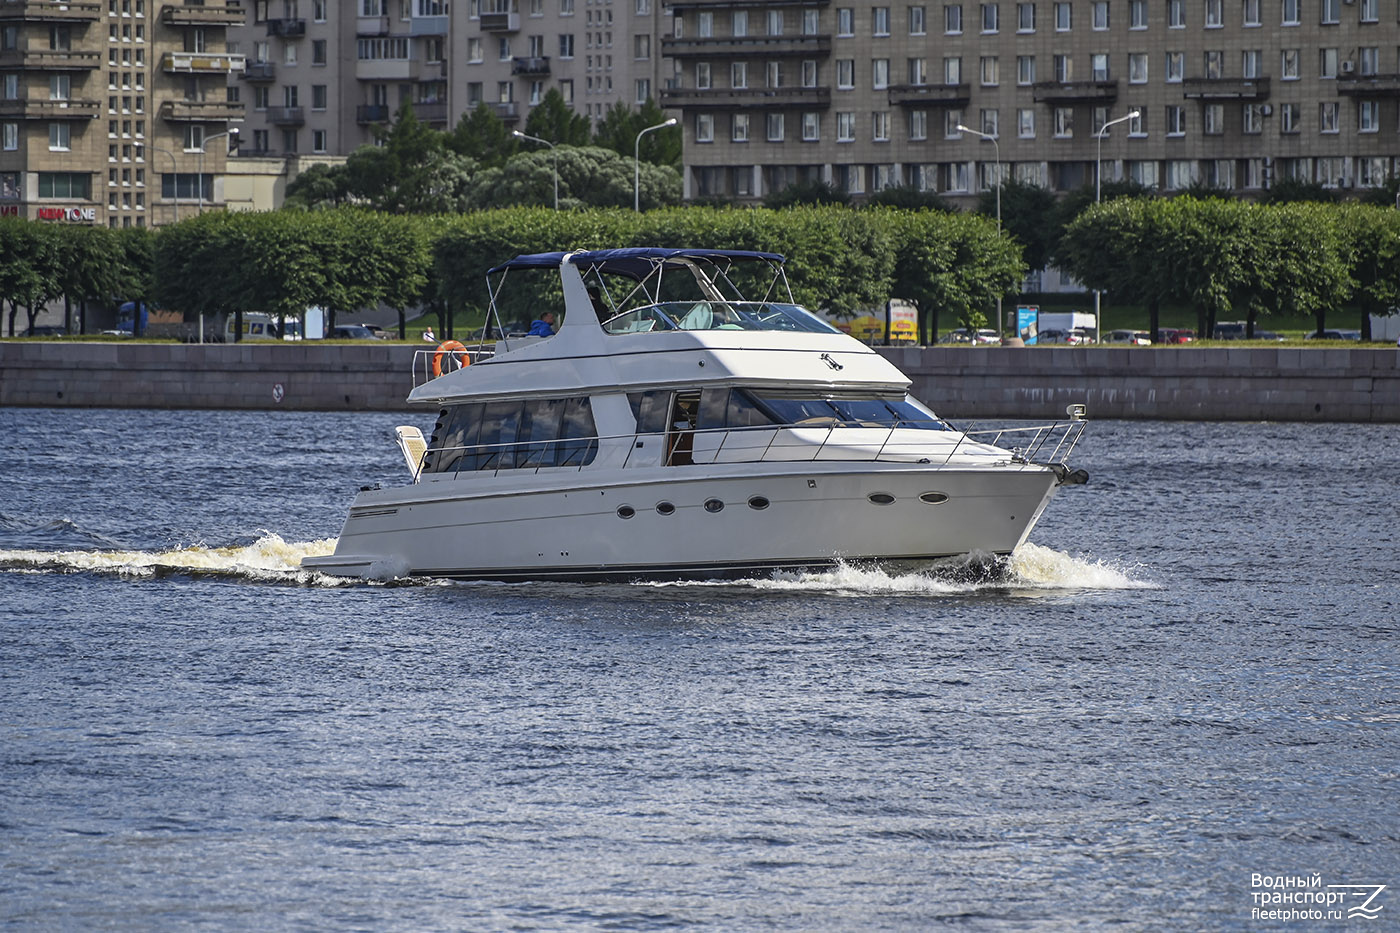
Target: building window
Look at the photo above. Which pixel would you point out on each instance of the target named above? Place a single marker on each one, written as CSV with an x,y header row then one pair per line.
x,y
918,125
739,127
1249,63
952,71
845,22
1368,60
1064,69
1181,174
845,74
1137,68
1253,119
952,118
1213,119
1215,14
1176,120
1025,70
59,137
880,74
1098,65
917,21
1369,116
318,140
1176,67
880,126
705,24
1136,126
704,128
1327,63
880,21
811,126
642,87
990,18
1025,123
1288,70
1290,13
1176,14
10,132
702,76
318,97
1290,119
1251,13
1100,15
1025,17
952,19
1330,12
811,22
1064,122
918,71
809,73
1063,17
75,185
775,22
318,51
991,122
989,71
774,123
1370,11
845,127
739,75
566,45
1328,117
1137,14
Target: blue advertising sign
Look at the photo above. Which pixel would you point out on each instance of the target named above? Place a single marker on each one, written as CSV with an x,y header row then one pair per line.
x,y
1026,326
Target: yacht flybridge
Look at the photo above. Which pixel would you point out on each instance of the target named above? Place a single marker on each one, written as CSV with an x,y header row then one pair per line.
x,y
673,428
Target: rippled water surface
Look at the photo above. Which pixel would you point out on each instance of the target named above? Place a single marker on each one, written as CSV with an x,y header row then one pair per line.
x,y
1190,676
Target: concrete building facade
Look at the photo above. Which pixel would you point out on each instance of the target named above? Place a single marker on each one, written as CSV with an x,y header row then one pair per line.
x,y
113,112
1236,94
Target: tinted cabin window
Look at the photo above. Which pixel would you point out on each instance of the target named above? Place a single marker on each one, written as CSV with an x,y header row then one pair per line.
x,y
513,435
650,409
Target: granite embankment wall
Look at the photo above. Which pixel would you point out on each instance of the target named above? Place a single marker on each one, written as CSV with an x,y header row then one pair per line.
x,y
1266,383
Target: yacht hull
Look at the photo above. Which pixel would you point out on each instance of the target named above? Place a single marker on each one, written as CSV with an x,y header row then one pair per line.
x,y
665,524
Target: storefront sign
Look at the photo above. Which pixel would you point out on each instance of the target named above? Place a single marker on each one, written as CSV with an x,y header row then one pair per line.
x,y
71,215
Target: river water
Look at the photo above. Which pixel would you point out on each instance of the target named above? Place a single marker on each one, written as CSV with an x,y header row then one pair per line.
x,y
1187,679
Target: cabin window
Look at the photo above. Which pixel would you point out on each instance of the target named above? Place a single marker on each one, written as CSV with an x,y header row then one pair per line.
x,y
513,435
729,408
846,410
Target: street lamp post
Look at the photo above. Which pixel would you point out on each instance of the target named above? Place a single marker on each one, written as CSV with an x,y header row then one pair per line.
x,y
1098,191
637,163
553,152
232,133
996,148
174,177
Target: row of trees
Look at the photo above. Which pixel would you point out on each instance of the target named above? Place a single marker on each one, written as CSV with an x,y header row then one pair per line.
x,y
954,265
40,263
1232,257
1218,256
480,165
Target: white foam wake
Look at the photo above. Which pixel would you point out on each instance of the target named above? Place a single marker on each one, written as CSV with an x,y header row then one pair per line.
x,y
1032,568
268,559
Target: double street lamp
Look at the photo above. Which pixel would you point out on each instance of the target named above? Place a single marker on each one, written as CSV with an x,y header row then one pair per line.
x,y
637,163
554,152
1098,192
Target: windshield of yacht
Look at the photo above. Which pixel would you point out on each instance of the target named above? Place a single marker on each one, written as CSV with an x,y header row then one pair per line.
x,y
716,315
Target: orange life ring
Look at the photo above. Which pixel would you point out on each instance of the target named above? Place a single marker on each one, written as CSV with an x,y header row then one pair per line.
x,y
446,347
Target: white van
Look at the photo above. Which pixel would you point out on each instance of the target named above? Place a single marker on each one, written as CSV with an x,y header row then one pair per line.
x,y
258,325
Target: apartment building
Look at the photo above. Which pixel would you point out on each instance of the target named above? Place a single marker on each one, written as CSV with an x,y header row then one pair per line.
x,y
111,112
1232,93
322,75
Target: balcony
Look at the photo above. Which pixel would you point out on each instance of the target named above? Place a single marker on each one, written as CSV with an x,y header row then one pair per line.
x,y
431,111
752,98
764,46
533,65
372,113
1368,86
372,26
505,110
200,111
286,116
1225,88
202,63
500,22
50,59
257,72
682,5
286,28
930,95
49,11
1073,92
428,26
28,109
388,69
201,14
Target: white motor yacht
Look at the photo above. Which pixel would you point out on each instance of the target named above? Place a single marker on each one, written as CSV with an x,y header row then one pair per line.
x,y
673,428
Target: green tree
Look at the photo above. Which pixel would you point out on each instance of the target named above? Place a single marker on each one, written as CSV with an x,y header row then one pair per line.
x,y
908,198
1372,236
806,192
482,136
319,187
30,257
619,128
411,171
1029,213
1288,190
554,120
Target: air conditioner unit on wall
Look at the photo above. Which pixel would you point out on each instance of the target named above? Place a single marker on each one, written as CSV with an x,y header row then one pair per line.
x,y
1267,110
1348,67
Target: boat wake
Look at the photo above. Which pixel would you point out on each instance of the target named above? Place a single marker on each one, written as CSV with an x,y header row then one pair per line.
x,y
1032,570
269,559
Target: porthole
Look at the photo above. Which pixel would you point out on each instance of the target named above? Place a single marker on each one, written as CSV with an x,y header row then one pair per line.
x,y
758,503
881,498
933,498
714,505
625,511
664,508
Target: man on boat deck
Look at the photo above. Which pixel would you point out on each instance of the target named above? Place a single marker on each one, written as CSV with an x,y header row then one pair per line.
x,y
543,326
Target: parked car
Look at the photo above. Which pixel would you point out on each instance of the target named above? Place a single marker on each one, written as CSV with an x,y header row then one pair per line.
x,y
1175,335
983,335
352,332
1137,338
47,330
377,331
1330,334
1229,330
1268,335
1073,337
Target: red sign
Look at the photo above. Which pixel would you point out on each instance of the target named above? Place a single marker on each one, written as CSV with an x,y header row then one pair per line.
x,y
9,210
70,215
